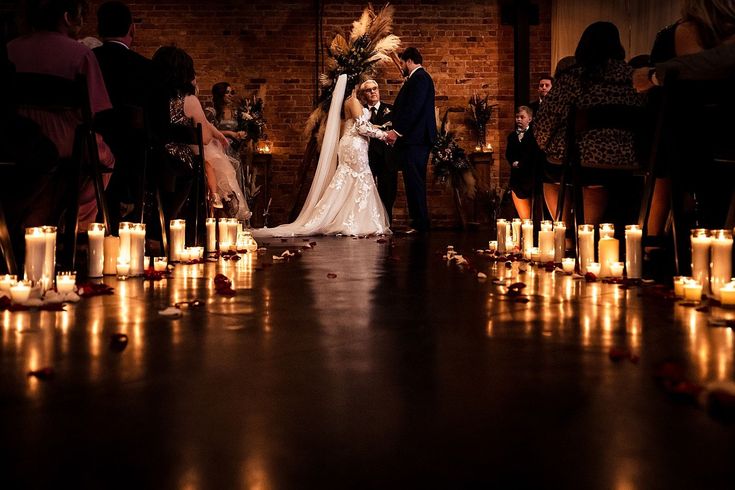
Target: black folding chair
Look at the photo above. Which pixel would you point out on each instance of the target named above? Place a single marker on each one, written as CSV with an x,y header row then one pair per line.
x,y
60,95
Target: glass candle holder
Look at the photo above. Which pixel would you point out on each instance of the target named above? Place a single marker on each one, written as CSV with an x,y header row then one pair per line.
x,y
35,242
616,269
65,282
727,294
633,251
96,254
594,268
492,245
567,264
123,269
160,264
700,243
7,281
693,290
586,245
679,282
20,292
721,260
607,230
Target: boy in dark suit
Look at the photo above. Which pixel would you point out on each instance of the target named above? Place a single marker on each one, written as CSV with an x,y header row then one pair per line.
x,y
523,155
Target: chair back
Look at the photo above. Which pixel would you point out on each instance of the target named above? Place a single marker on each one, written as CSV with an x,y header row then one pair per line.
x,y
51,93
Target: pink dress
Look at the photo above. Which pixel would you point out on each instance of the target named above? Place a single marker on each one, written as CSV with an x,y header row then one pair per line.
x,y
53,53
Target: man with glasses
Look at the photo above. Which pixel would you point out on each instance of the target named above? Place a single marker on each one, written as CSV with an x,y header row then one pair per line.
x,y
382,161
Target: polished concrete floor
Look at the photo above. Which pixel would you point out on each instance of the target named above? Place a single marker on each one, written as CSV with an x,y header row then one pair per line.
x,y
400,372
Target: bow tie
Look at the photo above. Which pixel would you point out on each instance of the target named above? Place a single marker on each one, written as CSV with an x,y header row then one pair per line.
x,y
521,131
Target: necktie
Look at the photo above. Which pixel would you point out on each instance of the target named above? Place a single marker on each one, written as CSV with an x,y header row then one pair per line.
x,y
521,133
373,114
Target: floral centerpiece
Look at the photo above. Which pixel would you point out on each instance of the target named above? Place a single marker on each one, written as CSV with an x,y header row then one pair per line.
x,y
449,160
480,111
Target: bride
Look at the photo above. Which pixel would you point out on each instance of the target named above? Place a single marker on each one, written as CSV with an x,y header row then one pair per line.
x,y
341,200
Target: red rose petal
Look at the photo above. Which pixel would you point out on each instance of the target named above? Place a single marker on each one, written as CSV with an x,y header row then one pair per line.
x,y
44,373
118,342
331,275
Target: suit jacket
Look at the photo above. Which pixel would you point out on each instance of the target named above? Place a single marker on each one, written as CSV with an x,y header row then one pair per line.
x,y
413,115
128,75
378,149
526,152
711,64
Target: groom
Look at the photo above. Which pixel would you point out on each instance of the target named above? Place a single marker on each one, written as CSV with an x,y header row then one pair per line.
x,y
414,133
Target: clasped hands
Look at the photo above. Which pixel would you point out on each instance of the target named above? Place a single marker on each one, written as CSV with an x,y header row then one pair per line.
x,y
391,137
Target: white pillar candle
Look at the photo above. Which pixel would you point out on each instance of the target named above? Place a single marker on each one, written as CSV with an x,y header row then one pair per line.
x,y
701,242
560,237
177,243
721,266
546,242
692,290
137,249
607,230
20,292
96,251
502,227
196,253
567,264
679,282
124,231
616,269
7,281
594,268
727,294
515,231
527,231
232,225
49,261
586,235
608,252
160,264
65,282
211,224
251,245
112,250
633,251
534,254
35,254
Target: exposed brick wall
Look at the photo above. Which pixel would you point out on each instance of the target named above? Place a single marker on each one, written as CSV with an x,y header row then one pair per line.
x,y
271,44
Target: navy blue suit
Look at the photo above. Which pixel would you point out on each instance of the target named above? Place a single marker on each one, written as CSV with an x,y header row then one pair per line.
x,y
414,119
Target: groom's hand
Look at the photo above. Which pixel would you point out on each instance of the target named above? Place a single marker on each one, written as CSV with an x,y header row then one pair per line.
x,y
391,137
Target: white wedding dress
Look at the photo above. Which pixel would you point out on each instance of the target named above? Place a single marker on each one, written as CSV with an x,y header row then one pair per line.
x,y
345,200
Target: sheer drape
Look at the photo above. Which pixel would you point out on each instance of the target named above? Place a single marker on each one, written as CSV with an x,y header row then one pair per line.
x,y
637,20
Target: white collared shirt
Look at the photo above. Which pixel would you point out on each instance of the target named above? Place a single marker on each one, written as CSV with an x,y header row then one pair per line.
x,y
119,42
377,106
414,71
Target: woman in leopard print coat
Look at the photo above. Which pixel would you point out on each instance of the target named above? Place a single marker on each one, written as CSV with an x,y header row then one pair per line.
x,y
600,77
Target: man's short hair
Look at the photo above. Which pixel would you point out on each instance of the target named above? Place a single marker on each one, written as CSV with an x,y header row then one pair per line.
x,y
526,109
413,55
546,76
113,19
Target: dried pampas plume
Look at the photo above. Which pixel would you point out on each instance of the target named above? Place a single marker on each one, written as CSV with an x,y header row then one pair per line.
x,y
370,41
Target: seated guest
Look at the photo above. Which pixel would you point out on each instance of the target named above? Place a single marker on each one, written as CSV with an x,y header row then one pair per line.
x,y
523,155
600,77
178,104
52,49
128,78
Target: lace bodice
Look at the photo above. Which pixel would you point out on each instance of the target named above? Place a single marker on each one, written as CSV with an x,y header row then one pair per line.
x,y
353,147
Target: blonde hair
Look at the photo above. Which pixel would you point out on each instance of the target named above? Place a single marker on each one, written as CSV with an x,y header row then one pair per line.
x,y
714,20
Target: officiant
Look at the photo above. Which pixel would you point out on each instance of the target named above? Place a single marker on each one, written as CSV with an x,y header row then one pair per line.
x,y
383,163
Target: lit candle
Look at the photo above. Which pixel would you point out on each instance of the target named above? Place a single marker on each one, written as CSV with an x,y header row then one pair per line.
x,y
560,236
160,264
567,264
223,229
607,230
594,268
546,242
488,147
251,245
211,224
124,231
502,227
616,269
701,242
586,234
112,249
692,290
225,246
727,294
35,254
721,269
515,233
137,249
527,230
123,269
49,261
7,281
177,232
492,245
196,253
609,250
679,282
96,251
633,251
65,282
232,225
20,292
534,254
478,148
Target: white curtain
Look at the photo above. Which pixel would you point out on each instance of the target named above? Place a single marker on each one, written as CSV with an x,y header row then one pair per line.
x,y
637,20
